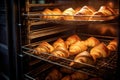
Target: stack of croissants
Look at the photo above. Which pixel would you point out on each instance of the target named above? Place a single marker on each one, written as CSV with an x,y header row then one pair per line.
x,y
83,13
67,74
84,51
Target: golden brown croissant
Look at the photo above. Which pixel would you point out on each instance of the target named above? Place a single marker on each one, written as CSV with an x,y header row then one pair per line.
x,y
46,14
68,14
57,12
72,39
92,41
84,13
59,53
112,46
68,77
79,76
99,51
59,43
103,11
44,47
83,57
77,47
54,75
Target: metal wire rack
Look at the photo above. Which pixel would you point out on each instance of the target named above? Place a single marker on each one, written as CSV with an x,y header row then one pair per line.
x,y
96,69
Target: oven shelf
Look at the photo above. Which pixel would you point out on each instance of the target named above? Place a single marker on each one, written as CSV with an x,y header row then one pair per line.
x,y
99,68
40,17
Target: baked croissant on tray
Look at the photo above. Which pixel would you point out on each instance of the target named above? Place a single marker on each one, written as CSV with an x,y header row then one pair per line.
x,y
77,47
83,57
60,49
104,13
112,46
99,51
43,47
92,41
71,40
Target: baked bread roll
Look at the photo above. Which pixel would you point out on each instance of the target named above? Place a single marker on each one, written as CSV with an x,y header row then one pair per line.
x,y
77,47
92,41
112,46
68,77
83,57
104,13
68,14
44,47
99,51
84,13
79,76
72,39
54,75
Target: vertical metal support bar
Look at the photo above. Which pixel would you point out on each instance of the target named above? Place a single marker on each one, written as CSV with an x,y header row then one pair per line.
x,y
12,38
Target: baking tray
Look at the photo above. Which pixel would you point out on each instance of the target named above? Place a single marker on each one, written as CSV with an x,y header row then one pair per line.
x,y
76,21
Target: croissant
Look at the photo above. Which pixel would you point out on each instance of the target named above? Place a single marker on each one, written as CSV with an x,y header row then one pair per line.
x,y
92,41
46,14
68,14
84,13
103,11
68,77
83,57
99,51
112,46
59,43
54,75
77,47
59,53
72,39
57,12
44,47
79,76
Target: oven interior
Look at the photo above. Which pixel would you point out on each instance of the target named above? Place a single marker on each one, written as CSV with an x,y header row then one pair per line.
x,y
36,30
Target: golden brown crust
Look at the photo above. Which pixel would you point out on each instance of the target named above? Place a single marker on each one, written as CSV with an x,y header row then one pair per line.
x,y
92,41
112,46
44,47
77,47
72,39
83,57
99,51
69,12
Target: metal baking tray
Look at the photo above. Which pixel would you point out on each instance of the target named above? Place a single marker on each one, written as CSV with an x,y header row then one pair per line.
x,y
100,66
76,21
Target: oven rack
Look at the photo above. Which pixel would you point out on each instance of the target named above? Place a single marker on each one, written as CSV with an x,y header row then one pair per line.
x,y
100,67
47,31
